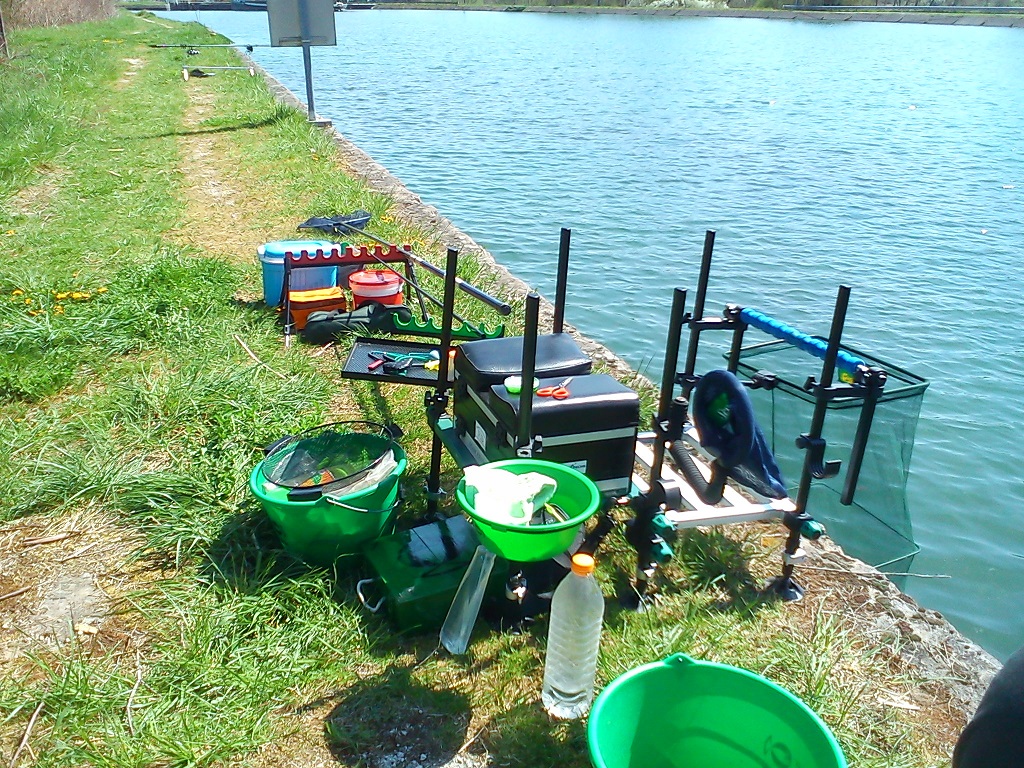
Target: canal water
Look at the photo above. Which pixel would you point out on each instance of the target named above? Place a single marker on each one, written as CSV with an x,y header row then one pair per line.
x,y
888,157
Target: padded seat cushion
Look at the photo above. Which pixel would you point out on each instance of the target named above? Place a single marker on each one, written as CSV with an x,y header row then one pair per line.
x,y
489,361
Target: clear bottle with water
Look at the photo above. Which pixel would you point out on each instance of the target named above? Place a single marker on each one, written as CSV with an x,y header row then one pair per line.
x,y
574,635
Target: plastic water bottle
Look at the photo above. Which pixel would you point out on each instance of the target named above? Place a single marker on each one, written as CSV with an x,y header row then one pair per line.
x,y
574,634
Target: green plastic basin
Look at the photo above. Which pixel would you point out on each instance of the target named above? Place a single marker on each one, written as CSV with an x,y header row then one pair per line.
x,y
576,496
321,531
681,713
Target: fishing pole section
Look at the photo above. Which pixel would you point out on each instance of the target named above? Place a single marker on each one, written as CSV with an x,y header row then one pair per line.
x,y
194,49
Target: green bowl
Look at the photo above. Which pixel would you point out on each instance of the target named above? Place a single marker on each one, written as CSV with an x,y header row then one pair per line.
x,y
682,713
576,496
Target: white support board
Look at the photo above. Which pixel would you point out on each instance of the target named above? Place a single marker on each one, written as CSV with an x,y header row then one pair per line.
x,y
734,507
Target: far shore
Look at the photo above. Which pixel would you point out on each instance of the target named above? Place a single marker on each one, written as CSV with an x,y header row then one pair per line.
x,y
912,15
948,18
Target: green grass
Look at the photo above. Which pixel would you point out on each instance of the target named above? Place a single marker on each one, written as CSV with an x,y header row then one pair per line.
x,y
124,390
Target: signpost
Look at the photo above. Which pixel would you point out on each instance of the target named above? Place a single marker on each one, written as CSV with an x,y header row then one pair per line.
x,y
302,23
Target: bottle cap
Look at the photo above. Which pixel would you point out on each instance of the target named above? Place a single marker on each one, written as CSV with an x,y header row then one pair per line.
x,y
582,564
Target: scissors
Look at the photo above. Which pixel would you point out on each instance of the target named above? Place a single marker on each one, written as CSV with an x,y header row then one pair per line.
x,y
557,392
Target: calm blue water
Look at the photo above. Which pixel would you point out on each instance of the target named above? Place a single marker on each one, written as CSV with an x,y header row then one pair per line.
x,y
885,156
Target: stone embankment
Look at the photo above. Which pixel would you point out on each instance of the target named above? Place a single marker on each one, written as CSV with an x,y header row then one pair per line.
x,y
922,639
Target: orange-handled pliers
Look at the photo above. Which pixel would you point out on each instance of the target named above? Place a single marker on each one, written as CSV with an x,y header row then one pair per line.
x,y
558,392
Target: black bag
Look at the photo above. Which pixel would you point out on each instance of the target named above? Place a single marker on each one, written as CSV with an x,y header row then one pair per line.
x,y
324,327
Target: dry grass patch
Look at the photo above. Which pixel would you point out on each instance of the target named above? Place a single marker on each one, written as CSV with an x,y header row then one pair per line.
x,y
35,199
134,65
65,575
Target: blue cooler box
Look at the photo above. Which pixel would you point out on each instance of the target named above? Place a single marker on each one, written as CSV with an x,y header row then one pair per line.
x,y
306,279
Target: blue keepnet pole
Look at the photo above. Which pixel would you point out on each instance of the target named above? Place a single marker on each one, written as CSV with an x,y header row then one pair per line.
x,y
845,362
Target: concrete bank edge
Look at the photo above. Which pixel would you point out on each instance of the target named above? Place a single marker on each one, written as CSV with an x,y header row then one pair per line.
x,y
922,637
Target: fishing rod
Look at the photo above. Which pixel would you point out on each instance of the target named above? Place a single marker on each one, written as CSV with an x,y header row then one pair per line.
x,y
248,46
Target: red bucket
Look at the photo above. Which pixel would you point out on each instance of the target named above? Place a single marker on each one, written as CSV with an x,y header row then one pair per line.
x,y
381,285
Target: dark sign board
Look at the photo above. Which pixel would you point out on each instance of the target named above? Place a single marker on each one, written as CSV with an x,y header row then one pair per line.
x,y
294,22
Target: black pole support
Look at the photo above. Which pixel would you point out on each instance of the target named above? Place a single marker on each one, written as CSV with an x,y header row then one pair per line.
x,y
563,280
662,420
437,403
524,442
874,381
698,307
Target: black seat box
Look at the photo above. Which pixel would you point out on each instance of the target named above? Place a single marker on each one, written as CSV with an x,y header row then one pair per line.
x,y
593,430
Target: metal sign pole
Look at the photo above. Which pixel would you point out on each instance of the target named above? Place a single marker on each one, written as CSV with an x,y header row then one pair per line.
x,y
303,23
307,65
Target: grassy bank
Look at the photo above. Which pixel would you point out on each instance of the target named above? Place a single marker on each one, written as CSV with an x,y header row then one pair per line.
x,y
131,205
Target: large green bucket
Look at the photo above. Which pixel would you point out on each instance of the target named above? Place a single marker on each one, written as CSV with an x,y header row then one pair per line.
x,y
681,713
576,497
322,530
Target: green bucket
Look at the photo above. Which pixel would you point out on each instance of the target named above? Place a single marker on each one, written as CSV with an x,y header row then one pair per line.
x,y
681,713
576,497
322,530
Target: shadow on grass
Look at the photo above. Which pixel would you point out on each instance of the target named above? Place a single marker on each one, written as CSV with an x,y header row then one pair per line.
x,y
240,126
526,735
713,560
394,719
248,554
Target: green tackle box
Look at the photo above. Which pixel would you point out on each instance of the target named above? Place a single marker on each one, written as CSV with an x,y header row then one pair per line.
x,y
416,573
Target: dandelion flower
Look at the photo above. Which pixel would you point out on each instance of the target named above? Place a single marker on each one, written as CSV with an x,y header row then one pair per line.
x,y
61,296
28,301
59,309
17,292
101,289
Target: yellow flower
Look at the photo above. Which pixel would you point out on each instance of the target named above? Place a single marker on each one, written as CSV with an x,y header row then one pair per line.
x,y
59,309
35,312
61,296
9,232
101,289
28,301
78,295
17,292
